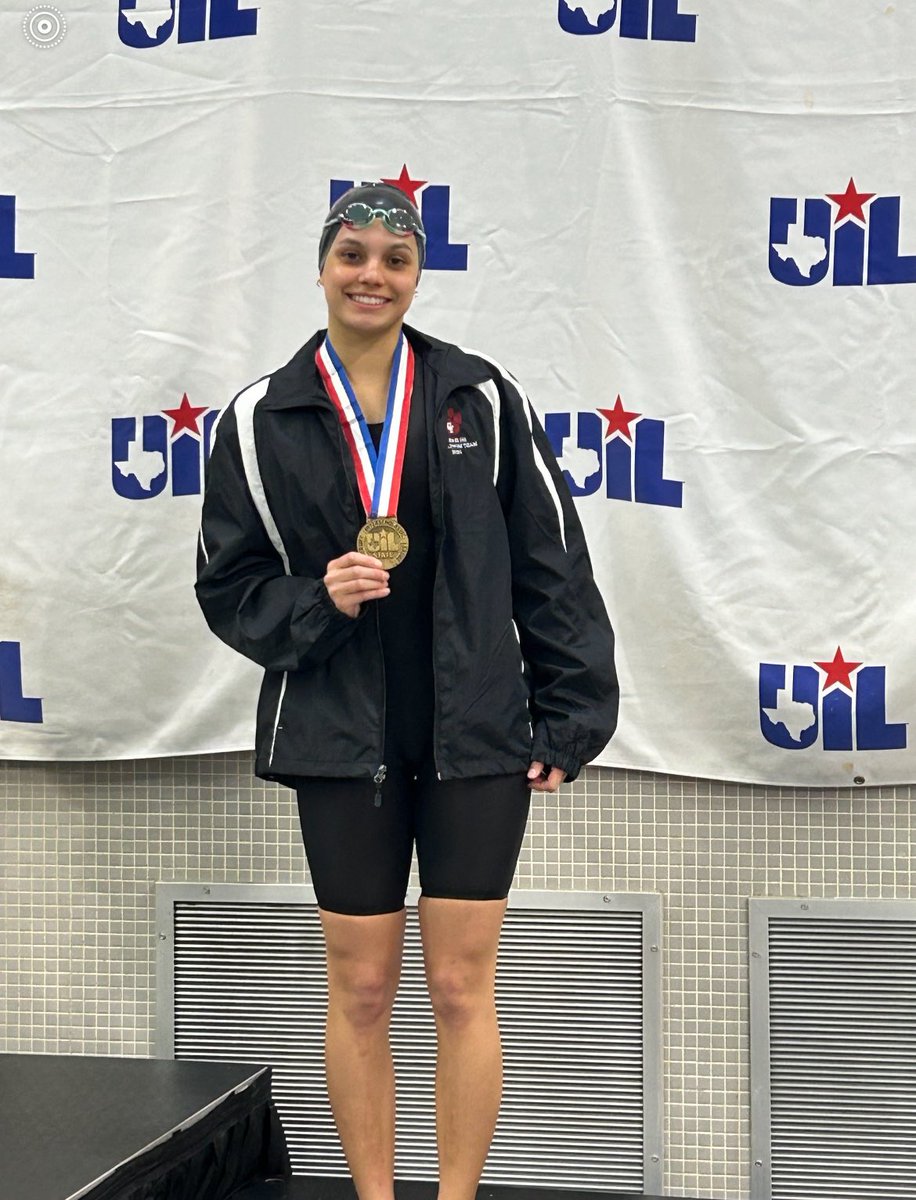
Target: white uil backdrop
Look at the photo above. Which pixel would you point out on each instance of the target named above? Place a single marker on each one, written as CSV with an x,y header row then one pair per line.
x,y
688,228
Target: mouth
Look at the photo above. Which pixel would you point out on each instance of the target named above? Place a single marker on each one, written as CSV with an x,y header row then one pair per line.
x,y
367,301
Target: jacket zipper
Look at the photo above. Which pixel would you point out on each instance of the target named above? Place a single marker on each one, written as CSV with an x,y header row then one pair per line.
x,y
379,777
441,498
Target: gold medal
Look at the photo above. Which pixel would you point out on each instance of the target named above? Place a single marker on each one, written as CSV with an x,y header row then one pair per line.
x,y
384,539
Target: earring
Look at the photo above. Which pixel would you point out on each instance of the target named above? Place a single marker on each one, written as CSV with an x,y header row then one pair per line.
x,y
318,282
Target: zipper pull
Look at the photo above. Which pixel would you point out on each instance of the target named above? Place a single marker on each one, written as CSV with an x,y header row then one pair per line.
x,y
378,779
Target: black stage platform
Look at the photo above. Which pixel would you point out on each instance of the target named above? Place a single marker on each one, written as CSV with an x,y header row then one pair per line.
x,y
77,1128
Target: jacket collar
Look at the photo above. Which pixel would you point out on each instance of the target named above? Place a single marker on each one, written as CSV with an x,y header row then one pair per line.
x,y
298,384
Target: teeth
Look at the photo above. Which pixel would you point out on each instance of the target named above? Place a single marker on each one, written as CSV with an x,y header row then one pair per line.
x,y
369,299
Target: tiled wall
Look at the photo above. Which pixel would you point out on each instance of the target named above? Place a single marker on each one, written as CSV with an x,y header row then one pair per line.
x,y
82,845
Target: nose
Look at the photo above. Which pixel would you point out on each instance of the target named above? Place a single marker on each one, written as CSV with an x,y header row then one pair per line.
x,y
371,271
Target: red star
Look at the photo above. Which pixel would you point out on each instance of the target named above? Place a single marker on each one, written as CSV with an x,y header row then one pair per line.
x,y
408,186
618,419
185,417
851,203
838,671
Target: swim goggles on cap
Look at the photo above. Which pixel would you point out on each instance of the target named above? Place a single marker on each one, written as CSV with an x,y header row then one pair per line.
x,y
359,216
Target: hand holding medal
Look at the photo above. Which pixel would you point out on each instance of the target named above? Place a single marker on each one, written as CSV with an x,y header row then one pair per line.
x,y
354,578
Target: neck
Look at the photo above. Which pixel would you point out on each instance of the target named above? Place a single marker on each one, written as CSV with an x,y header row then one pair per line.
x,y
364,356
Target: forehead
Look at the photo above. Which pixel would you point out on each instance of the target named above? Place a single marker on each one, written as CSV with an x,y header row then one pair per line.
x,y
375,237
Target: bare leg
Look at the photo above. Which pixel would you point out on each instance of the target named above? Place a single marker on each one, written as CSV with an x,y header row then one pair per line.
x,y
460,939
364,966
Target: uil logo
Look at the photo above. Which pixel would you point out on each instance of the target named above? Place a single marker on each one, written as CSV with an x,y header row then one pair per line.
x,y
140,464
13,263
841,702
441,254
632,19
852,236
622,450
14,704
145,23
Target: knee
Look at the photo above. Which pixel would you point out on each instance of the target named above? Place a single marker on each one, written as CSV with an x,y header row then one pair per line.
x,y
363,998
459,995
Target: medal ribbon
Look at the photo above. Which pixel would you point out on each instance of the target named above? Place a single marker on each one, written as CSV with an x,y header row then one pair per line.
x,y
377,474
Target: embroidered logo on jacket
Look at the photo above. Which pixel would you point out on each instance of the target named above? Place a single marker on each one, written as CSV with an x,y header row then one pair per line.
x,y
457,442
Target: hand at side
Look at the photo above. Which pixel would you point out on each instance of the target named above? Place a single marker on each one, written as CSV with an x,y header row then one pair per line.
x,y
538,781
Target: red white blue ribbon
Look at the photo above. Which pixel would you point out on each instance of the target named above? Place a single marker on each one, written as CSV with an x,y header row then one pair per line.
x,y
377,474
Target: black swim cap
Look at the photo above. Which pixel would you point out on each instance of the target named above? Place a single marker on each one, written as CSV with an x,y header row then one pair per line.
x,y
375,195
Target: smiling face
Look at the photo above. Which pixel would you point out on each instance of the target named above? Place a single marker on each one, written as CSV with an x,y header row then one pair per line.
x,y
369,278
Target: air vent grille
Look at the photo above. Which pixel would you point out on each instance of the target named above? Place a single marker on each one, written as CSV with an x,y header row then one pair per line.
x,y
248,984
840,1056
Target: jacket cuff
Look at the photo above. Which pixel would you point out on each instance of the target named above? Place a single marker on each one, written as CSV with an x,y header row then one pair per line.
x,y
321,625
550,756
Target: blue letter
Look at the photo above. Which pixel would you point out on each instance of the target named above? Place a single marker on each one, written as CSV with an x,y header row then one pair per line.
x,y
192,21
13,705
441,255
338,187
800,261
837,718
573,20
788,716
12,264
186,465
885,264
651,485
634,19
618,469
138,472
227,21
581,460
669,25
134,33
849,255
872,730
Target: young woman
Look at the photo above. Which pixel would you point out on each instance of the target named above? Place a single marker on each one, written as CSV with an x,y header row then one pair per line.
x,y
387,532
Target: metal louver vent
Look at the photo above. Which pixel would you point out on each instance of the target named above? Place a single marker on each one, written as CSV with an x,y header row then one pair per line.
x,y
833,1042
242,978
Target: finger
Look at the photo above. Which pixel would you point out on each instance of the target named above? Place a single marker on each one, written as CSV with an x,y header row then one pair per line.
x,y
356,587
548,782
351,604
355,578
353,558
535,770
358,572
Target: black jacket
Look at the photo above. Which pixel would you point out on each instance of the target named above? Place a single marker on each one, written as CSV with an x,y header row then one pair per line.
x,y
280,504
